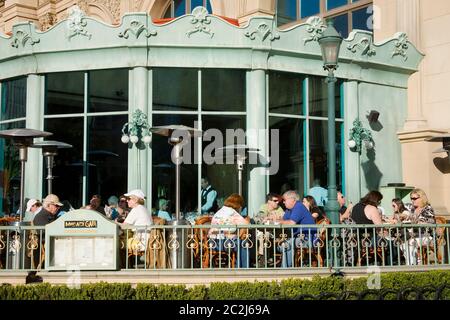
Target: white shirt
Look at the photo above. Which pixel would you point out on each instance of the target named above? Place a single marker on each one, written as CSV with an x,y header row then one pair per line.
x,y
139,216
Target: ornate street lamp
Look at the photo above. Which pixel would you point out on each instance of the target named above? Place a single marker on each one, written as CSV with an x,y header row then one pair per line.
x,y
49,151
175,140
23,138
240,153
330,43
137,129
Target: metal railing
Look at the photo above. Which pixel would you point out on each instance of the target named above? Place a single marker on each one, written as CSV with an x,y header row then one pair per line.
x,y
250,246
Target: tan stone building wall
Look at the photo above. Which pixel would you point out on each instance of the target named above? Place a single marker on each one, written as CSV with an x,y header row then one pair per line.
x,y
428,95
428,92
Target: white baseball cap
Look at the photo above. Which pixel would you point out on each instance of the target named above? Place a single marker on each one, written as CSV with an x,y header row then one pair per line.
x,y
136,192
31,203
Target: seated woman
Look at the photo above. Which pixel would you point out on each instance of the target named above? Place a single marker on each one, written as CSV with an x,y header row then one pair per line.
x,y
420,211
311,205
229,214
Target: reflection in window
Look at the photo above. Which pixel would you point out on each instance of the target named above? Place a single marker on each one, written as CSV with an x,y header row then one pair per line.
x,y
223,90
223,177
309,8
175,89
318,152
286,93
341,24
65,93
163,170
318,97
178,8
106,156
331,4
13,99
362,19
286,11
290,175
110,97
10,172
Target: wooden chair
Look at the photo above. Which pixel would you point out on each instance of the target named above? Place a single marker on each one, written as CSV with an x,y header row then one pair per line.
x,y
429,251
317,251
205,255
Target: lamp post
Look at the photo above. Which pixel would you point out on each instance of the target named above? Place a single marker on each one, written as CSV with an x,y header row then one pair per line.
x,y
49,151
330,43
23,138
241,155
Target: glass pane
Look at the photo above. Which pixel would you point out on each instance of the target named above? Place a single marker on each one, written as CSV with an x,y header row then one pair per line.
x,y
163,171
168,13
108,90
68,170
341,24
196,3
223,177
14,99
286,93
318,97
331,4
286,11
223,90
309,8
208,6
175,89
107,157
362,19
180,7
290,175
318,152
10,170
64,93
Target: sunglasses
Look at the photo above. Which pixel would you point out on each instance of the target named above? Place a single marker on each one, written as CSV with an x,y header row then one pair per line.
x,y
275,200
414,199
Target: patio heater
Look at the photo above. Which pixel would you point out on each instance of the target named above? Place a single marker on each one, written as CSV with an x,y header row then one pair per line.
x,y
176,133
49,151
240,153
23,138
175,141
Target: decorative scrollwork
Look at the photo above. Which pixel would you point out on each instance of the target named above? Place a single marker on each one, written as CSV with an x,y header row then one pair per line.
x,y
192,242
76,23
365,45
263,31
315,27
267,243
201,20
366,241
33,243
137,28
21,38
247,243
401,46
229,244
2,243
15,245
212,244
352,242
155,243
173,244
335,242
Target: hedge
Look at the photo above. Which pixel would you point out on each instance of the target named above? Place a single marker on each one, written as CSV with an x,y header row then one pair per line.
x,y
394,286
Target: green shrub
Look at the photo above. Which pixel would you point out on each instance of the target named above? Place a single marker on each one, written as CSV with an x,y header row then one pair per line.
x,y
401,285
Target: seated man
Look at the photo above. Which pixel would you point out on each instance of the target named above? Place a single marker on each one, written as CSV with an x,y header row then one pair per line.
x,y
296,213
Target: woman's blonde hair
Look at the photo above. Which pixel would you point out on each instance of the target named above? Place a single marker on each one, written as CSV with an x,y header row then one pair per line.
x,y
423,199
234,201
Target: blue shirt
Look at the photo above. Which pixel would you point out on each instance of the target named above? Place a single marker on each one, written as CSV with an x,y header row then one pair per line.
x,y
300,215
